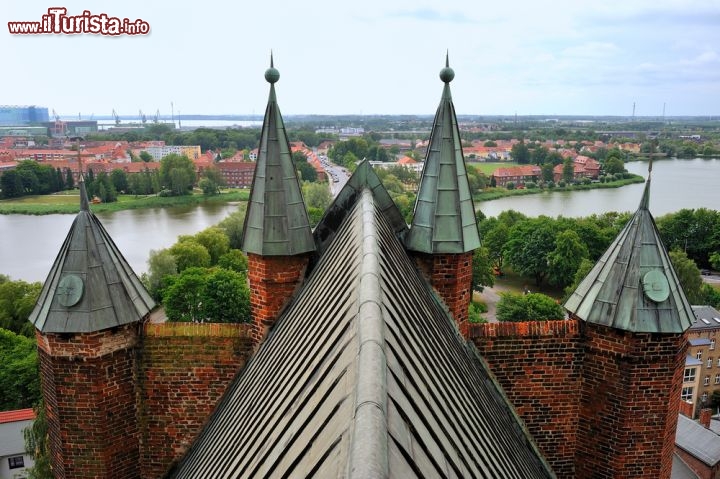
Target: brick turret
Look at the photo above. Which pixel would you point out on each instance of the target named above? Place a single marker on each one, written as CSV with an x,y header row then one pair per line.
x,y
444,232
635,318
87,320
277,235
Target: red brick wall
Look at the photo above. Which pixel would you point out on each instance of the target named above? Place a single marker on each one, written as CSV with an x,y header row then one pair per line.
x,y
89,392
273,281
700,468
184,368
538,364
451,276
629,403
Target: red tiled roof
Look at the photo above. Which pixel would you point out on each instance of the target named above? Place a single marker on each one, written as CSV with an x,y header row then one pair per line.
x,y
406,160
526,170
17,415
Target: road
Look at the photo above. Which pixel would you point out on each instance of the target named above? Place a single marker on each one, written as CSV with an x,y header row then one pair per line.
x,y
337,175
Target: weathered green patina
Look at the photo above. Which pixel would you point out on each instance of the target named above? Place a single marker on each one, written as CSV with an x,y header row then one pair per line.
x,y
633,286
91,287
444,215
276,223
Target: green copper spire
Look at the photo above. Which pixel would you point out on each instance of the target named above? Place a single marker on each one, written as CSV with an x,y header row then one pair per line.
x,y
633,286
444,216
276,223
91,286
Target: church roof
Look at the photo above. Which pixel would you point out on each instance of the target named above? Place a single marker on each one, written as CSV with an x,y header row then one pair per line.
x,y
444,216
633,286
365,375
276,223
91,286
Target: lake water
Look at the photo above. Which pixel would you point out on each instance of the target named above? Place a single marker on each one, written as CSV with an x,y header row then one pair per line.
x,y
29,244
676,184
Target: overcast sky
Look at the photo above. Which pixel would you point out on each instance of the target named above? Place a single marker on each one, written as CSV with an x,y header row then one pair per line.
x,y
373,57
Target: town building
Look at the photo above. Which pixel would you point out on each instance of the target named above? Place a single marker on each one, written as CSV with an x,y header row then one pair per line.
x,y
697,448
11,115
14,460
158,152
703,359
519,175
360,360
236,174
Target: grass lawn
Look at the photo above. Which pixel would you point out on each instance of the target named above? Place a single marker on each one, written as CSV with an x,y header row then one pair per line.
x,y
69,202
489,167
514,282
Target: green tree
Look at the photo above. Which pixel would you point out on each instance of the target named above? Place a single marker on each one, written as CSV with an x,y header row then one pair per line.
x,y
36,444
161,264
568,171
11,184
177,174
190,253
69,180
145,156
547,172
226,297
233,226
215,241
582,271
19,374
528,307
482,272
119,180
211,181
316,195
529,244
17,300
234,260
565,259
688,275
714,260
183,298
613,165
520,153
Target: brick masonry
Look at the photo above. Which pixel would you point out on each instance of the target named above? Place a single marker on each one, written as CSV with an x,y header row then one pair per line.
x,y
274,280
599,402
538,364
629,403
184,368
89,390
451,276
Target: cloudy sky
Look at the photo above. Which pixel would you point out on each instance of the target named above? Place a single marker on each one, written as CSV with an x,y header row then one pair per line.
x,y
373,57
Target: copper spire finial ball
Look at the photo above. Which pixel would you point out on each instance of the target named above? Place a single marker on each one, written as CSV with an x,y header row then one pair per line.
x,y
272,75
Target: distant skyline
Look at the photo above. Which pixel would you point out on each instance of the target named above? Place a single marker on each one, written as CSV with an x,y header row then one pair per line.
x,y
373,57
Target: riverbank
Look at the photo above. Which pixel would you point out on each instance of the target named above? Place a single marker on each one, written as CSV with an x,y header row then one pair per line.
x,y
497,193
68,203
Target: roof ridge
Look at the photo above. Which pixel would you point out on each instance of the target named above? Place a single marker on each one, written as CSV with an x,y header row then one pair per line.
x,y
369,457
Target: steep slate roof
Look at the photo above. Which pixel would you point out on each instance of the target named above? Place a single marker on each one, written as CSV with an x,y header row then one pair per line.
x,y
364,376
444,215
612,293
112,294
706,317
276,223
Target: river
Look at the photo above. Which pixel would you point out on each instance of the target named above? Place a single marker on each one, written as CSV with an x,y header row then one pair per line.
x,y
29,244
676,184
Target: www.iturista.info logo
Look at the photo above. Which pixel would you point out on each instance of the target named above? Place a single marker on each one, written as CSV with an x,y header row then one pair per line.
x,y
58,22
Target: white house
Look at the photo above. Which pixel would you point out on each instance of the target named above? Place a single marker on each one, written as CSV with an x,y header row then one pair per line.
x,y
13,459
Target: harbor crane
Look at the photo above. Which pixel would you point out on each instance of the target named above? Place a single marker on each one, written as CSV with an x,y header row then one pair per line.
x,y
117,118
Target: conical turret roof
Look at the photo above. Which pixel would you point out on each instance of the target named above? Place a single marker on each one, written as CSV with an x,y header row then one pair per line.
x,y
633,286
444,215
276,223
91,286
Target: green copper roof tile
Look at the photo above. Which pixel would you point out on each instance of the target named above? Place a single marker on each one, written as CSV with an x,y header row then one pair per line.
x,y
276,223
444,216
633,286
91,286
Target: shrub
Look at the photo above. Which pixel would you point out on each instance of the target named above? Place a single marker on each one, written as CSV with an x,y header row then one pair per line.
x,y
561,184
528,307
530,185
510,185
